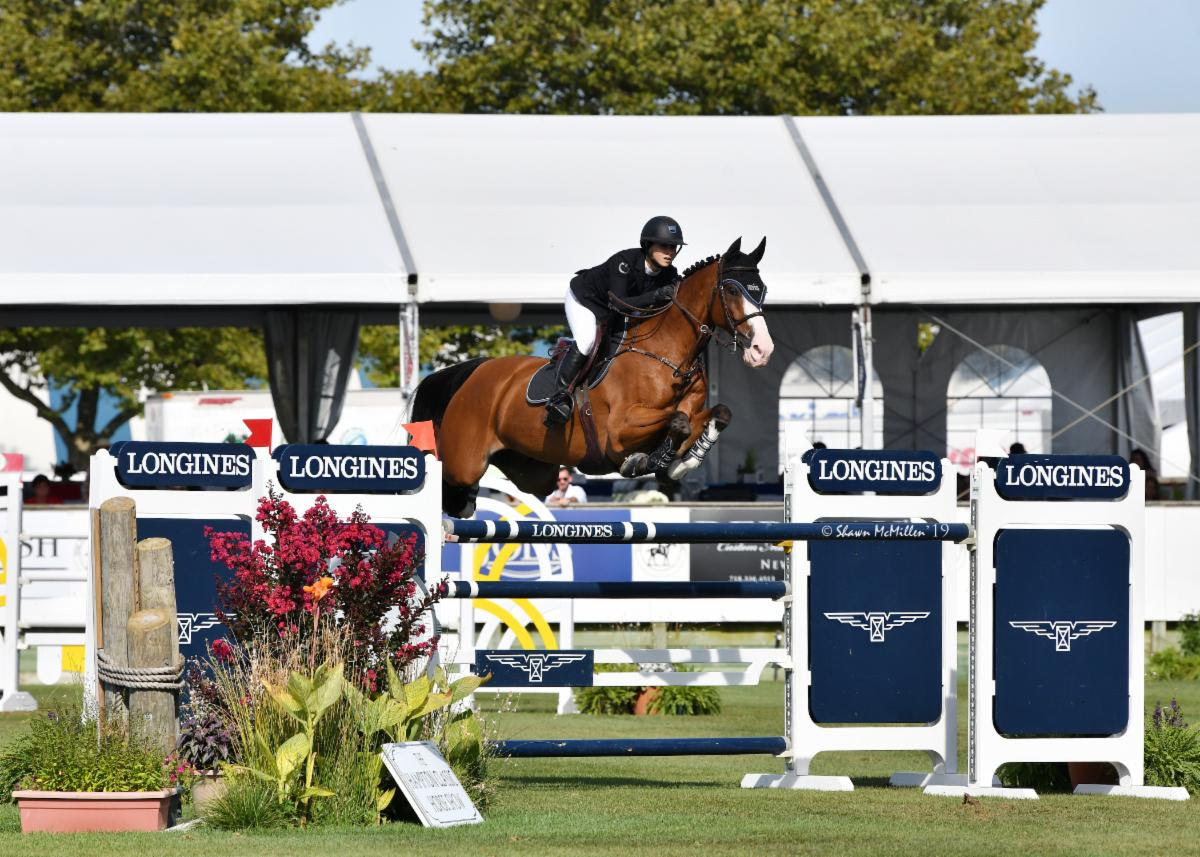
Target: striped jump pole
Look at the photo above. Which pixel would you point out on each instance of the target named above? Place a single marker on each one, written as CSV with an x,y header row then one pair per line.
x,y
614,589
613,532
578,748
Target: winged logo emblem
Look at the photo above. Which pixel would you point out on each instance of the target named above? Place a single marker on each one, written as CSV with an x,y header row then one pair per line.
x,y
193,623
1062,632
537,664
878,624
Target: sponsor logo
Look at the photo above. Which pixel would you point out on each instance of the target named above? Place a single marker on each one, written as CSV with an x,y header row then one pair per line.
x,y
1064,475
352,467
877,624
1063,633
537,664
572,531
194,623
623,267
186,464
876,470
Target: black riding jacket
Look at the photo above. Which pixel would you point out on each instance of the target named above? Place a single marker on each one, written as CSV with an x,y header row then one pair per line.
x,y
624,274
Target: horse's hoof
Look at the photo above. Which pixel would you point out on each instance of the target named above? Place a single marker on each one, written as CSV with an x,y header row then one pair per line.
x,y
635,465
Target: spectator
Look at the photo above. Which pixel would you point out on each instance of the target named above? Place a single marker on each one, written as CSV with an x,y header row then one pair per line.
x,y
565,494
42,493
1017,448
1143,461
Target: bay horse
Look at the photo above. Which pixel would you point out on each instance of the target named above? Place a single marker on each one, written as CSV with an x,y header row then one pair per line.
x,y
647,415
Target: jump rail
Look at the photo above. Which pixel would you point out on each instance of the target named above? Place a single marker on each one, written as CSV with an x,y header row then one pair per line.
x,y
596,589
611,532
550,748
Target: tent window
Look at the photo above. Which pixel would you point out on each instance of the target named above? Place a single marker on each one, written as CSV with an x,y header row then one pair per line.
x,y
816,399
1002,388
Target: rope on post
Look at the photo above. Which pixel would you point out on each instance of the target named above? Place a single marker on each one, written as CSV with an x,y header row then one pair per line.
x,y
139,678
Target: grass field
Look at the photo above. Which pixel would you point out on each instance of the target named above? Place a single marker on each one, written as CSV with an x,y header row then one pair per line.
x,y
694,806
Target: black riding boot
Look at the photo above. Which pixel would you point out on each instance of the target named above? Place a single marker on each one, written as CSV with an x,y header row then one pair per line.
x,y
558,408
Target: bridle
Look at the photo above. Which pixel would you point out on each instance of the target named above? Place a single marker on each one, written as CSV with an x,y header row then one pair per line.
x,y
726,285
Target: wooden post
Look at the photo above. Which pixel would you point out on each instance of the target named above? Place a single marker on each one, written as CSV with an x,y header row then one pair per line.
x,y
153,643
118,591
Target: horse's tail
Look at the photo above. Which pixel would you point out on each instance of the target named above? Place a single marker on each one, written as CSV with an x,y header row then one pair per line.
x,y
435,391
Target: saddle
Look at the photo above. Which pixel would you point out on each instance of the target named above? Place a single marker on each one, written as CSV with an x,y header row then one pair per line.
x,y
541,386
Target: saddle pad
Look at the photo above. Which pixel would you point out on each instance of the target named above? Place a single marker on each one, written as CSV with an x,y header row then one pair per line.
x,y
541,385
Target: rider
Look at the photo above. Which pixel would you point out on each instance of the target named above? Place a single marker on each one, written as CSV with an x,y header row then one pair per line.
x,y
638,277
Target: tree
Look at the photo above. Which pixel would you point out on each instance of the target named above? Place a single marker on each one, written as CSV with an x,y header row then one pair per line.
x,y
83,362
379,346
157,55
831,57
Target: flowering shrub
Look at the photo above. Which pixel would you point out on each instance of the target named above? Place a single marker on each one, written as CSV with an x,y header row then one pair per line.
x,y
314,569
1172,750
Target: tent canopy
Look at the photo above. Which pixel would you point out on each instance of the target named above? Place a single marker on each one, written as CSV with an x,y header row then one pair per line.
x,y
287,209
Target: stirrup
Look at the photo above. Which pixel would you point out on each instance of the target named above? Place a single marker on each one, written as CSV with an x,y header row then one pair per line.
x,y
558,410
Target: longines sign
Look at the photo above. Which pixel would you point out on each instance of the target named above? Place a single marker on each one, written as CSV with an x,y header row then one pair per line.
x,y
367,469
183,465
1062,477
850,471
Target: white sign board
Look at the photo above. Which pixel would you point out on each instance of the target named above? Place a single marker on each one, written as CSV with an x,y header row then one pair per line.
x,y
429,784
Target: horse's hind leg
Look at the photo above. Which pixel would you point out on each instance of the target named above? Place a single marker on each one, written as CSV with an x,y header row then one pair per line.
x,y
710,424
528,474
640,463
458,501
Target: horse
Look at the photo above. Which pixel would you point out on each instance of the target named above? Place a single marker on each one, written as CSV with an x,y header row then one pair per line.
x,y
647,415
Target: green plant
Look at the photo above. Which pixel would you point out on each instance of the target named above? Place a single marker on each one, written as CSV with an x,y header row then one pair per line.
x,y
249,804
1172,750
1170,664
685,699
670,699
1039,776
66,751
608,700
305,700
1189,634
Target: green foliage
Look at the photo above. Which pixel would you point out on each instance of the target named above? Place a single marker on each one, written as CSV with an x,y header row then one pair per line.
x,y
669,700
120,362
727,57
379,346
248,804
686,700
1172,750
608,700
1040,776
302,732
64,751
179,55
305,700
1189,634
1172,665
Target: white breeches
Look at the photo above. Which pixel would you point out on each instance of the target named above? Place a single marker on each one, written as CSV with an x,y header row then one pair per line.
x,y
582,323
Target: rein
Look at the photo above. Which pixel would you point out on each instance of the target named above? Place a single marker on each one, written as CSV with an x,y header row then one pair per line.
x,y
688,367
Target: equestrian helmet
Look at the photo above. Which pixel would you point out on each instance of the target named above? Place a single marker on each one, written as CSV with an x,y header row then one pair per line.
x,y
662,230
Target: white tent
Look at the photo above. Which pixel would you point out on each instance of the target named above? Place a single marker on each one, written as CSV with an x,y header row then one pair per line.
x,y
268,210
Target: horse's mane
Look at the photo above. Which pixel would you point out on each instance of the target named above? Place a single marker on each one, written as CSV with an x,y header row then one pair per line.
x,y
696,266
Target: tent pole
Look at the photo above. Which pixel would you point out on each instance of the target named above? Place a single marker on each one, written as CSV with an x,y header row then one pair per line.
x,y
410,361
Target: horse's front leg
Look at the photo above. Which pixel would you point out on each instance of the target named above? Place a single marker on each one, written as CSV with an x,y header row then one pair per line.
x,y
708,426
679,427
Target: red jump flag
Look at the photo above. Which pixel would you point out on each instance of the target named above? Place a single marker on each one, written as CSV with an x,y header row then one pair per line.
x,y
422,436
260,432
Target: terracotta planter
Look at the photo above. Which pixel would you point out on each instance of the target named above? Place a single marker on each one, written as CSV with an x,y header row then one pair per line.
x,y
641,705
1082,773
87,812
206,790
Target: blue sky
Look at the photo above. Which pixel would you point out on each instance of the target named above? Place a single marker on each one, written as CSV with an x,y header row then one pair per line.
x,y
1140,55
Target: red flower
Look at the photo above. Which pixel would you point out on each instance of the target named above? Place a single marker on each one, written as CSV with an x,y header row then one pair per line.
x,y
221,650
